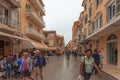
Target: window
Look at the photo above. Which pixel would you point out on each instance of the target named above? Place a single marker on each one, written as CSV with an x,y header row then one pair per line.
x,y
90,12
111,11
112,49
118,6
47,43
85,7
91,28
98,22
86,19
30,26
97,3
46,35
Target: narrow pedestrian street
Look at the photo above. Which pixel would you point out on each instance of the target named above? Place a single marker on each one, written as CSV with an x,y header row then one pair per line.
x,y
59,68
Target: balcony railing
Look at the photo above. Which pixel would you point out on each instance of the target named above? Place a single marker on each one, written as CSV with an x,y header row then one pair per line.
x,y
38,5
117,6
9,22
32,15
13,3
34,33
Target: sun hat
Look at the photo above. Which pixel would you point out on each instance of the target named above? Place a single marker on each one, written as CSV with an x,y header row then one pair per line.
x,y
25,52
36,51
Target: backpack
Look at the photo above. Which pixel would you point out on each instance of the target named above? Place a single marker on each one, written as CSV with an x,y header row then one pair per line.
x,y
39,61
44,61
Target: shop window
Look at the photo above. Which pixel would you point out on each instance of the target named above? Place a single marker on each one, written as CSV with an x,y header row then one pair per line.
x,y
112,49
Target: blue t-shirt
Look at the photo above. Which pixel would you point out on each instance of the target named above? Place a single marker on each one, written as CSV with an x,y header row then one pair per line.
x,y
19,62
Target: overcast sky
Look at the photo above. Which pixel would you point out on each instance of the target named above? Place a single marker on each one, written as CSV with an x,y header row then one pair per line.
x,y
60,15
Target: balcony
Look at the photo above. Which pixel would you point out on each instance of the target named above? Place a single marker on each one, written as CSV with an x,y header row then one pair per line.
x,y
9,24
34,17
118,7
12,3
34,34
39,6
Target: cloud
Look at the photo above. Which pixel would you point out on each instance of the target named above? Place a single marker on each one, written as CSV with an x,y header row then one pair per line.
x,y
60,15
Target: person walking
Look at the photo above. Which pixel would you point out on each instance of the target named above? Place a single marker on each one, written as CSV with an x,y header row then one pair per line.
x,y
87,64
68,55
19,63
26,66
38,65
7,69
75,54
96,57
101,59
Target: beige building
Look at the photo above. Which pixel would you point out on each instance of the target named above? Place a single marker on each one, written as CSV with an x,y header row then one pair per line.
x,y
54,41
75,35
101,30
9,27
59,43
32,24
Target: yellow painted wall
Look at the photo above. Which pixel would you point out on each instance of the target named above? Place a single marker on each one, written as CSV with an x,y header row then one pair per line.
x,y
24,20
8,49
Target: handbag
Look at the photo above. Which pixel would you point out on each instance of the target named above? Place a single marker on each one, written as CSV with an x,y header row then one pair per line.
x,y
83,68
80,77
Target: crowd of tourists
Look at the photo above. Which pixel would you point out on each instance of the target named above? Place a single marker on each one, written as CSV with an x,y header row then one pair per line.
x,y
22,66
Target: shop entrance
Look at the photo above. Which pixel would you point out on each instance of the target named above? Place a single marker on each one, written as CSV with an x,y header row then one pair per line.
x,y
1,47
112,50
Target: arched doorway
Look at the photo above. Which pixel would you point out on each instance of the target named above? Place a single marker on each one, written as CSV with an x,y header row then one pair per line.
x,y
112,49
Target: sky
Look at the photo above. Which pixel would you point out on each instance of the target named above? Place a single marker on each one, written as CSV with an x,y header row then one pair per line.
x,y
60,15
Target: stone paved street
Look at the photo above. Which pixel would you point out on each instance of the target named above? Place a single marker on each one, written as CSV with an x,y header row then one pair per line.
x,y
59,68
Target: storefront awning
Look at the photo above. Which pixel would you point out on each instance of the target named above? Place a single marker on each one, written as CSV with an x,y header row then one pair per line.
x,y
45,47
34,44
12,36
27,45
112,26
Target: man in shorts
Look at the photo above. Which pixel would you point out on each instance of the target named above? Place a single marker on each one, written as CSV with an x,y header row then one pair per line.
x,y
38,64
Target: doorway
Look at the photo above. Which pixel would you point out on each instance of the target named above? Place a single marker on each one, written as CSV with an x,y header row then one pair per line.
x,y
1,47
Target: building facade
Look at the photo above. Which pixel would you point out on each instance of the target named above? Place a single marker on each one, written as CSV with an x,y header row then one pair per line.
x,y
54,41
75,35
101,28
9,27
59,42
32,24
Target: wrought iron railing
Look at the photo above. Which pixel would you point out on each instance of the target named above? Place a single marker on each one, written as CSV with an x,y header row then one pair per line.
x,y
10,22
